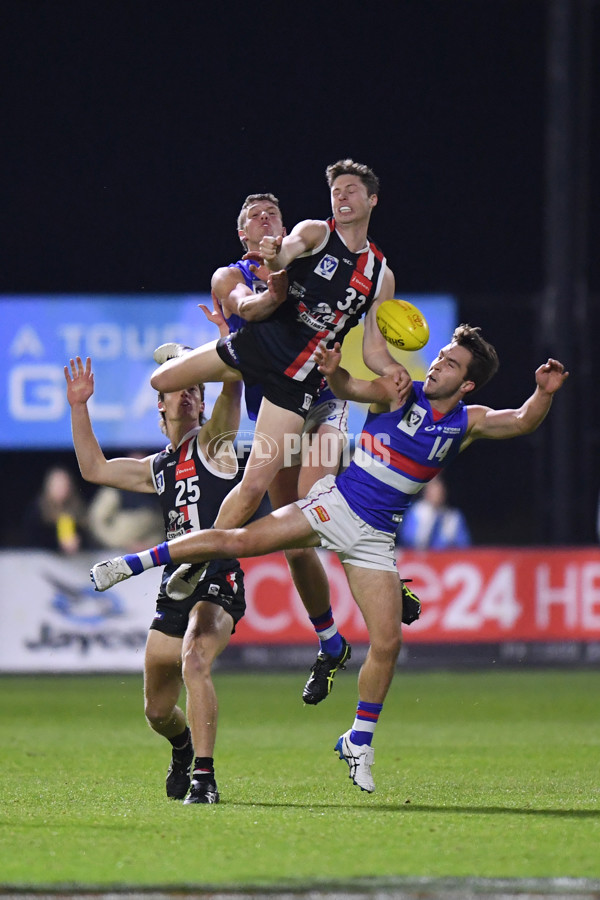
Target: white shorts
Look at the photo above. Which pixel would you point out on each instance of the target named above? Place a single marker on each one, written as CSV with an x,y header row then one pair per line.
x,y
344,532
333,413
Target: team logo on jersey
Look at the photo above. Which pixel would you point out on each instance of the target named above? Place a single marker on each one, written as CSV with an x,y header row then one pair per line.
x,y
178,524
327,267
160,483
318,318
412,419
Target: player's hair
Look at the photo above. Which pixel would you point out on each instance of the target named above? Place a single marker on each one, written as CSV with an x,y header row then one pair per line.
x,y
349,167
162,420
484,359
248,202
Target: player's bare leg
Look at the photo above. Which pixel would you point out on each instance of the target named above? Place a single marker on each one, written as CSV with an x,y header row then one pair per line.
x,y
280,530
192,367
266,458
207,635
378,595
162,687
311,582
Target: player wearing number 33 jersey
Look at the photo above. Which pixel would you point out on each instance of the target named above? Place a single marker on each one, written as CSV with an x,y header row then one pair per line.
x,y
397,454
329,289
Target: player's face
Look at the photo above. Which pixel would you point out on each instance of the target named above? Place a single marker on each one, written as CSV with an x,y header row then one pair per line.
x,y
186,405
262,218
350,201
447,373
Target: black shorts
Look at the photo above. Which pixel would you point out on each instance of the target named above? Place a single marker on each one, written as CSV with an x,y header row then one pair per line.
x,y
224,588
240,351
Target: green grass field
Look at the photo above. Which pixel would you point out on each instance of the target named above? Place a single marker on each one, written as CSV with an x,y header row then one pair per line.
x,y
488,774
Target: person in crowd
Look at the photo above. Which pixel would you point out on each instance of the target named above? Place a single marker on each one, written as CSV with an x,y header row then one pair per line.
x,y
431,524
57,517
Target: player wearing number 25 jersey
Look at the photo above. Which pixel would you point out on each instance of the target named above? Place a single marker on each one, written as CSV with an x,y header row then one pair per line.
x,y
191,491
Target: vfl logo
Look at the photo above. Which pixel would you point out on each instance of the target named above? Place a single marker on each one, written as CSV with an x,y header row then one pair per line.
x,y
160,483
327,267
412,419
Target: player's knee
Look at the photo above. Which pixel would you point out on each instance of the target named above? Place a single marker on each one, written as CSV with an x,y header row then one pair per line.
x,y
297,556
157,715
197,660
388,644
240,543
255,483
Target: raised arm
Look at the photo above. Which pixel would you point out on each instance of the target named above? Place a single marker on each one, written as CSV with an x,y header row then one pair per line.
x,y
225,416
376,353
236,297
499,424
128,474
278,252
382,392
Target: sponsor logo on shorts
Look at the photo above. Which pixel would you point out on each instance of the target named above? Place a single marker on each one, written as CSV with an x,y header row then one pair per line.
x,y
228,343
321,513
327,267
230,579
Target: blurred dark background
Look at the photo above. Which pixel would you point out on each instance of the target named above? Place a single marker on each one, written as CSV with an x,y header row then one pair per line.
x,y
133,130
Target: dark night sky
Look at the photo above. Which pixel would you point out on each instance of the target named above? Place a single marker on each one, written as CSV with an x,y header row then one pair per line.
x,y
133,131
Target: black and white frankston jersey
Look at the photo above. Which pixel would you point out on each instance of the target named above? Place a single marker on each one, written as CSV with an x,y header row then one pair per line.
x,y
330,288
191,490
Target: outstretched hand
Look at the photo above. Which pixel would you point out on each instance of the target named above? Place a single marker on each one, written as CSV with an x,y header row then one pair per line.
x,y
254,256
215,315
258,267
80,381
277,285
551,376
328,360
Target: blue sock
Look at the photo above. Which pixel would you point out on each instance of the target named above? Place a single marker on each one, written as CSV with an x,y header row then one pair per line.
x,y
148,559
367,715
329,636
